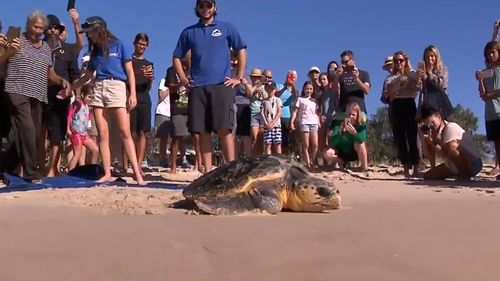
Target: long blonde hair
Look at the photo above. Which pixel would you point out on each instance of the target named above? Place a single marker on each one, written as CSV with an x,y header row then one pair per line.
x,y
439,66
361,120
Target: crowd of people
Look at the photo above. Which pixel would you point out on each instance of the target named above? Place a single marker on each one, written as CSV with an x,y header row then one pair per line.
x,y
207,95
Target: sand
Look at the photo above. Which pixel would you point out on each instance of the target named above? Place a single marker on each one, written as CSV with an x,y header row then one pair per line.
x,y
388,229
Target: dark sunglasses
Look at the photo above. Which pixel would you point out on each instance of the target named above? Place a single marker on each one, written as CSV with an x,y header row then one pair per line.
x,y
399,60
268,77
205,5
345,61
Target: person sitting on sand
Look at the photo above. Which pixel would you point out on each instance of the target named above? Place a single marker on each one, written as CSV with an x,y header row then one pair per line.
x,y
451,142
347,142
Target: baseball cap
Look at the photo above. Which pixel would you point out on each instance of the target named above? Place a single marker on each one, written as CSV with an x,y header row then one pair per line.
x,y
91,23
53,20
314,68
270,83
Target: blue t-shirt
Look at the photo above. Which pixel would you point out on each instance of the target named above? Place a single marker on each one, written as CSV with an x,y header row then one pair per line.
x,y
287,101
210,51
111,66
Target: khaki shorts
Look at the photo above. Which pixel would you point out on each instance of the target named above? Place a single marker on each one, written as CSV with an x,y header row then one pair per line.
x,y
109,94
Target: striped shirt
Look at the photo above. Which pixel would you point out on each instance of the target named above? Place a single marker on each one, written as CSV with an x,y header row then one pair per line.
x,y
27,72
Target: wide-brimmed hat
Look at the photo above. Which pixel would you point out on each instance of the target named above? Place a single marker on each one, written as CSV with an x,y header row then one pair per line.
x,y
91,23
53,20
388,61
256,72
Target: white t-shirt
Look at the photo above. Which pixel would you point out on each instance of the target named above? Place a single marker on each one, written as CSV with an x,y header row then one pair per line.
x,y
163,107
452,131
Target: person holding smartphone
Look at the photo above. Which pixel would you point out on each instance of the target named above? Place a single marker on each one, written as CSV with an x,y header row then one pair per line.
x,y
30,67
402,88
489,91
351,82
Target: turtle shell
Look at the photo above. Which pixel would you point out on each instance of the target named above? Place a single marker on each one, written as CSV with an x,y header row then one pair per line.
x,y
238,176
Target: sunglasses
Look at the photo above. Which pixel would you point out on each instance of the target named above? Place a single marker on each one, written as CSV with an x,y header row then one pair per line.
x,y
399,60
205,5
345,61
268,77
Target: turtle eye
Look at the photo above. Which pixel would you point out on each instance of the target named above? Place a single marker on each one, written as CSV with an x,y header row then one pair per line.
x,y
324,192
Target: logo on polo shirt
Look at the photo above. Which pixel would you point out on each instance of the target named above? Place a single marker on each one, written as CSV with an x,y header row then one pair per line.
x,y
113,54
216,33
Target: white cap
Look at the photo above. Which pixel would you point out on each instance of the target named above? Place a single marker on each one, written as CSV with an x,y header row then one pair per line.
x,y
314,68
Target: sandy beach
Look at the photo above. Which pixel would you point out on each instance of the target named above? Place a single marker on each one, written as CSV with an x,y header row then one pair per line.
x,y
387,229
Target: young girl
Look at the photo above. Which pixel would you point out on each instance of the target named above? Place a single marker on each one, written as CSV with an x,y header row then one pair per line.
x,y
489,91
308,111
79,117
112,62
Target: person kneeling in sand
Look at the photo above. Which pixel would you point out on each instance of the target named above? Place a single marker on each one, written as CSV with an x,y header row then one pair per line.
x,y
347,142
451,142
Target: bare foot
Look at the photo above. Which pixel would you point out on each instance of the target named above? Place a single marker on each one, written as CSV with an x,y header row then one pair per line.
x,y
105,178
494,171
173,171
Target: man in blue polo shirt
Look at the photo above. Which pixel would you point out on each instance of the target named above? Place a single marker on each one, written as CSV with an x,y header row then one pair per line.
x,y
211,100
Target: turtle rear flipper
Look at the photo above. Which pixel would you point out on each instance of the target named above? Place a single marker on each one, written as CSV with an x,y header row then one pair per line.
x,y
264,198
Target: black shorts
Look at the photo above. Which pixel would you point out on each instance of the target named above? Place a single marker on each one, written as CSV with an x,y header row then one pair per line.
x,y
140,118
243,114
347,157
211,108
493,130
285,132
56,119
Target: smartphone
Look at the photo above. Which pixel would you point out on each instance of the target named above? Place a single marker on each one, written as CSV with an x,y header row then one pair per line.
x,y
347,121
71,5
421,65
291,77
13,33
487,73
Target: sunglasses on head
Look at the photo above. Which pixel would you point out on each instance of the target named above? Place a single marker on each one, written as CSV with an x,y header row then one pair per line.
x,y
205,5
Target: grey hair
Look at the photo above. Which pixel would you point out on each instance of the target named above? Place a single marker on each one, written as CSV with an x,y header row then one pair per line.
x,y
36,15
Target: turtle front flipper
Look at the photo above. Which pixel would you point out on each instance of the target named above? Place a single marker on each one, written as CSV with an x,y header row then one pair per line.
x,y
264,196
226,205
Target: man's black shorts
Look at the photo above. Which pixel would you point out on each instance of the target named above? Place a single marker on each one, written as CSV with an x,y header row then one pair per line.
x,y
140,118
211,108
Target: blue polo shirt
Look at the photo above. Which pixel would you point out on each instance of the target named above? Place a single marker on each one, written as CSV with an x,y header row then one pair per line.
x,y
210,50
111,66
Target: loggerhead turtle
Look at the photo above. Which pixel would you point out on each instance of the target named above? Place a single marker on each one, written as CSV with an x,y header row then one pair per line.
x,y
267,183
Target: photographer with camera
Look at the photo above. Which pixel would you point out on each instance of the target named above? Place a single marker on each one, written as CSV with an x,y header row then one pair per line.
x,y
489,91
451,142
347,141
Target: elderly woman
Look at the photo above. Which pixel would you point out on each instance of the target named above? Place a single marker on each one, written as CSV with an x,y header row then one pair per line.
x,y
28,71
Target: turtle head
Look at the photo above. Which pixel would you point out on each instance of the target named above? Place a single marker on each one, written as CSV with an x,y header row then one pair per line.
x,y
311,194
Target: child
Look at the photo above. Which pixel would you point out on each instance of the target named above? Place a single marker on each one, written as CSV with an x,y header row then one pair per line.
x,y
271,119
308,111
78,123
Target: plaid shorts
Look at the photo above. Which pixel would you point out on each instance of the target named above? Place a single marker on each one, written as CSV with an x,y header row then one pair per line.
x,y
272,136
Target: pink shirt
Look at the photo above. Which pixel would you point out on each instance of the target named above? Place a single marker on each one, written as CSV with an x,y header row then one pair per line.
x,y
308,111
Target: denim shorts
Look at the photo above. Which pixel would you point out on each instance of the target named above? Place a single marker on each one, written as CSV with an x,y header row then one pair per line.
x,y
255,120
309,128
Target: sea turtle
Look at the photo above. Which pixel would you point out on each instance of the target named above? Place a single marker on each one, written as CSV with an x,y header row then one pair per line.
x,y
267,183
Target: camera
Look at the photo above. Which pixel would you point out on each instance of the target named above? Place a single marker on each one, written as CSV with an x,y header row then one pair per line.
x,y
426,127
